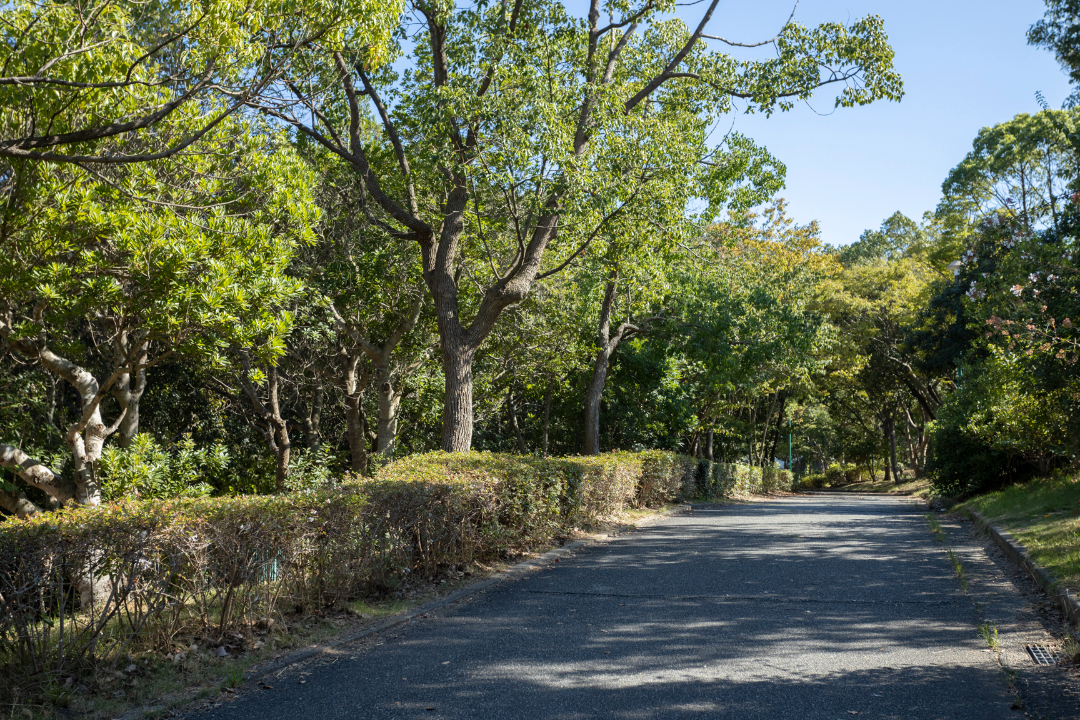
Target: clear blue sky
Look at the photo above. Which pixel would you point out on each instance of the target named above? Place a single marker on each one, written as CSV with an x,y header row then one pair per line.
x,y
965,64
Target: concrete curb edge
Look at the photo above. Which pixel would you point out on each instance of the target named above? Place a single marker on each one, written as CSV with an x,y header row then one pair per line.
x,y
1016,552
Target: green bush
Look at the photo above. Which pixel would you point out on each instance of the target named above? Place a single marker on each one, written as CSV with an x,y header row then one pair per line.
x,y
146,470
716,480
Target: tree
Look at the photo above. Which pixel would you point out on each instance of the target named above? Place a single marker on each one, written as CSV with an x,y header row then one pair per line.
x,y
75,74
518,129
100,276
1059,32
1022,168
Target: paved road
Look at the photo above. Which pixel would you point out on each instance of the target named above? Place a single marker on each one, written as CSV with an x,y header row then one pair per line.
x,y
828,606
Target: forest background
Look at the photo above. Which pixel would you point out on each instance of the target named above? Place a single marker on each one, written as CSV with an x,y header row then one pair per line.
x,y
253,250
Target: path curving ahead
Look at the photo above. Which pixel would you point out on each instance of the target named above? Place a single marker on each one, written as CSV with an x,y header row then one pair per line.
x,y
820,606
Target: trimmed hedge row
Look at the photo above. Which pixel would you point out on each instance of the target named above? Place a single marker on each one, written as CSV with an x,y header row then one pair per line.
x,y
81,588
715,479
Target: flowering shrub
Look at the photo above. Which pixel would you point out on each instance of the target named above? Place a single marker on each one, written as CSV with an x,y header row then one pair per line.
x,y
83,587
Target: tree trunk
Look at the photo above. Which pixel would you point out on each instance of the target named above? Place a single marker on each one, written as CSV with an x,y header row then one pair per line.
x,y
15,502
890,434
779,428
312,420
547,413
389,404
607,343
593,395
709,444
512,411
354,383
458,402
388,386
280,429
129,387
276,427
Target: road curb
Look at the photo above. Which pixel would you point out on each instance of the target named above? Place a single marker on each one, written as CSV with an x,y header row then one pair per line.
x,y
513,572
1016,552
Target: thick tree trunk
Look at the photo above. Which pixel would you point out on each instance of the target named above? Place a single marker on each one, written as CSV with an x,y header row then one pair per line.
x,y
356,379
389,405
458,403
709,444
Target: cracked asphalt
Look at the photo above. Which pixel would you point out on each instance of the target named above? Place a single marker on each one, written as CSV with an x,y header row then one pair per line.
x,y
820,606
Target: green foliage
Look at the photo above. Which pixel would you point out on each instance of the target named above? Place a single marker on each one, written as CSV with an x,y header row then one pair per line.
x,y
1059,32
146,470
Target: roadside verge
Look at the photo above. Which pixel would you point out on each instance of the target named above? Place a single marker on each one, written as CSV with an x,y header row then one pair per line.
x,y
1016,552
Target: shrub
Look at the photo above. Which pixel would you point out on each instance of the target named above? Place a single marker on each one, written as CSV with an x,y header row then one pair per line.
x,y
714,479
148,571
147,470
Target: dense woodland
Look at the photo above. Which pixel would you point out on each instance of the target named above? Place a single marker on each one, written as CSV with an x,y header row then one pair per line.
x,y
252,250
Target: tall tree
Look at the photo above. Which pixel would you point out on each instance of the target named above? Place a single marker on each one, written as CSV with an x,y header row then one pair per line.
x,y
517,128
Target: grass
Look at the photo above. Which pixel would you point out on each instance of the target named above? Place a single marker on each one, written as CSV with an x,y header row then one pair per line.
x,y
1044,515
989,633
916,487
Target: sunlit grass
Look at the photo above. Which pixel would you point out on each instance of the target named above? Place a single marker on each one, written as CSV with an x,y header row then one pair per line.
x,y
1044,515
916,487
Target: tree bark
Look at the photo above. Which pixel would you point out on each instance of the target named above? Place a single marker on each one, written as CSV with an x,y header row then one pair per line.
x,y
15,502
86,436
458,403
276,427
387,377
130,386
709,444
34,474
313,418
607,344
356,378
389,405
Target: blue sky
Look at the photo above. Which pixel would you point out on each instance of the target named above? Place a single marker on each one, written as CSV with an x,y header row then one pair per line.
x,y
965,64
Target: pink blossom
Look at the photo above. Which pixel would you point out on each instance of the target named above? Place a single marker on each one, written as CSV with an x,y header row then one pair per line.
x,y
1016,290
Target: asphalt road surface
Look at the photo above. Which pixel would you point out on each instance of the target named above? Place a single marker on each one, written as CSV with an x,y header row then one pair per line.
x,y
826,606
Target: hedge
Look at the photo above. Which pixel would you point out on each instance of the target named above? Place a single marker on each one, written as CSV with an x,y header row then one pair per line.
x,y
716,479
83,588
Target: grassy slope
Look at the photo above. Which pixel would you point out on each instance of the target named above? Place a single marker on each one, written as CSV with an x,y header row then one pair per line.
x,y
1044,515
915,487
